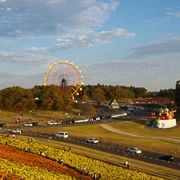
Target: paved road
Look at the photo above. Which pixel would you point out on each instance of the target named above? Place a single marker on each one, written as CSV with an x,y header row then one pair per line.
x,y
145,156
109,128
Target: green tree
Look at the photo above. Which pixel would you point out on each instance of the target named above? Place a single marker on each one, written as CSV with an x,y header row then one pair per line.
x,y
167,93
140,92
131,93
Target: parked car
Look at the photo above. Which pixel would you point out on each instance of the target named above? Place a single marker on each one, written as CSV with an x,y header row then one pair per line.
x,y
96,118
81,120
15,131
35,123
114,116
52,123
62,134
28,124
92,140
124,114
167,157
134,150
2,124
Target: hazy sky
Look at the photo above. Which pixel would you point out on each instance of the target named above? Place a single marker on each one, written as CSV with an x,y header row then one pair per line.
x,y
113,42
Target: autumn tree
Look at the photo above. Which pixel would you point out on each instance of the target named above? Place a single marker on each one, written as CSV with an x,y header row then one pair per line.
x,y
85,96
124,96
54,98
17,99
87,109
1,102
98,95
177,97
115,93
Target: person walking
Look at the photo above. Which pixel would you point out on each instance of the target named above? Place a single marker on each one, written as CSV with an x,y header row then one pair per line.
x,y
125,163
69,148
128,165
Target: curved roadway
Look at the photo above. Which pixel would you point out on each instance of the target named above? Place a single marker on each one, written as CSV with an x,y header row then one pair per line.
x,y
109,128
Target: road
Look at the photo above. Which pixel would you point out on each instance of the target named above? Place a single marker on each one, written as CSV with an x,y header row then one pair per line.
x,y
109,128
145,156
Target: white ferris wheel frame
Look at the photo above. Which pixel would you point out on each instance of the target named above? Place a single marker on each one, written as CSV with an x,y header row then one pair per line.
x,y
69,72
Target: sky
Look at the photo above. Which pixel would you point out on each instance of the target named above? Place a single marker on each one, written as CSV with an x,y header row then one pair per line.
x,y
113,42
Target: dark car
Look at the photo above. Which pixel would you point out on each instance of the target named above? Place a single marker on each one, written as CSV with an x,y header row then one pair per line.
x,y
2,124
167,157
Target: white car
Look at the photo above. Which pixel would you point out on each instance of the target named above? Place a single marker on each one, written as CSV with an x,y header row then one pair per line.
x,y
124,114
81,120
52,123
114,116
28,124
16,131
134,150
92,140
97,118
62,134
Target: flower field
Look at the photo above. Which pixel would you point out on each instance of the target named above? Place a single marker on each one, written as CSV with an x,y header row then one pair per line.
x,y
4,175
30,165
23,159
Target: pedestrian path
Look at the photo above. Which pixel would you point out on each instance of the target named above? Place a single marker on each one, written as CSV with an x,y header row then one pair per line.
x,y
109,128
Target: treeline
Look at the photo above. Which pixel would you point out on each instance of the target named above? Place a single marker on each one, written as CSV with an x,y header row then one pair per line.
x,y
177,98
59,98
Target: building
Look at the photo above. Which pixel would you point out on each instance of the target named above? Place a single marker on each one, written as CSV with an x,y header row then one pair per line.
x,y
113,104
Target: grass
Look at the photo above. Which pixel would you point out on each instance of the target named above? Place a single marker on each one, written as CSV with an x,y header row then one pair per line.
x,y
138,127
134,127
113,159
8,117
40,116
155,145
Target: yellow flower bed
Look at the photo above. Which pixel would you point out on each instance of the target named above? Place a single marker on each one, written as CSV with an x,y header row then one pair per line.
x,y
30,173
108,172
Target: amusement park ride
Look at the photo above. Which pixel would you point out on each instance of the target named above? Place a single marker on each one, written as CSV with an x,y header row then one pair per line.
x,y
67,76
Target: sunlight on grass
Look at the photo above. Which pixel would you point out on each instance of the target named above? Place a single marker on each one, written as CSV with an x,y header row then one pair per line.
x,y
161,146
135,127
139,128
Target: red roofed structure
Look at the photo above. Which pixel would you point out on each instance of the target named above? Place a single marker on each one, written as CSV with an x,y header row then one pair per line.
x,y
153,101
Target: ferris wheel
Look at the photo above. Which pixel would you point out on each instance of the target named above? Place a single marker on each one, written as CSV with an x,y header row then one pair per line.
x,y
66,75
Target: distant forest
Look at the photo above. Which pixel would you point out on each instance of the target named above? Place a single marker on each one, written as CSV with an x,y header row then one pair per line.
x,y
57,98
